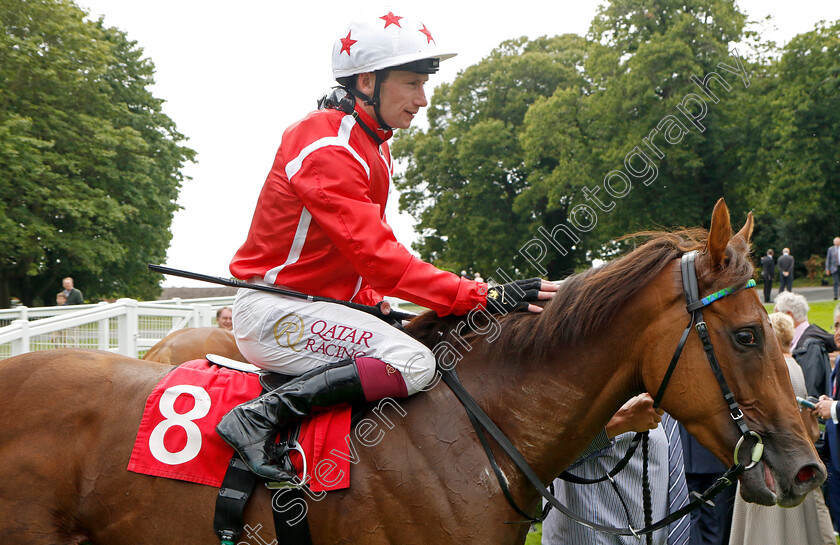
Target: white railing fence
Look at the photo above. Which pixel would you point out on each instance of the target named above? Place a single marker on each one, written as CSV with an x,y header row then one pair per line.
x,y
127,327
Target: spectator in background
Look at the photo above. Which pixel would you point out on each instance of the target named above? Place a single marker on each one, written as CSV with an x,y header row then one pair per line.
x,y
74,296
830,452
832,265
796,306
710,524
768,271
811,355
59,338
837,333
224,318
806,524
785,271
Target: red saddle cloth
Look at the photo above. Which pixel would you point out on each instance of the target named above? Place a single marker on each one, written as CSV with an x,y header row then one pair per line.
x,y
177,436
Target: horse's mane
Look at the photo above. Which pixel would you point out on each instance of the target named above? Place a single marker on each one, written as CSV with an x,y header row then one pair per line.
x,y
587,301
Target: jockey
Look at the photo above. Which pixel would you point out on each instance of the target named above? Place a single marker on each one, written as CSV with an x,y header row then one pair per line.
x,y
319,228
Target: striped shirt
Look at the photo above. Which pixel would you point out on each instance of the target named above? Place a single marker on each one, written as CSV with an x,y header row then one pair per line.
x,y
599,502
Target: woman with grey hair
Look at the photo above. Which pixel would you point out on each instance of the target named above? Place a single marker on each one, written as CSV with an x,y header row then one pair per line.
x,y
796,306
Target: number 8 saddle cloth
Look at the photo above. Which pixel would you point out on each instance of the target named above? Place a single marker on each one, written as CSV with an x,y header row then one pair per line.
x,y
177,437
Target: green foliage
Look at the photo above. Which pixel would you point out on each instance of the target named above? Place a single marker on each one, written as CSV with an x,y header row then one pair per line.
x,y
795,174
534,537
466,172
89,165
523,139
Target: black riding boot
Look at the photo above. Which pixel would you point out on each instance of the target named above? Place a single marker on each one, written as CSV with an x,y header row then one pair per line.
x,y
251,428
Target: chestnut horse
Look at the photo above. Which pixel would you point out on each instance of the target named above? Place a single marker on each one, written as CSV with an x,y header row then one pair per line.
x,y
551,381
192,343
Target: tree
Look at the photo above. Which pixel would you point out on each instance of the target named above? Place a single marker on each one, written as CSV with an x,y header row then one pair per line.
x,y
530,140
792,175
466,172
644,124
606,151
90,167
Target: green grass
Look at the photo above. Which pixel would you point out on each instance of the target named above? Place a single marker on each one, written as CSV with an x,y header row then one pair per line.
x,y
821,313
534,537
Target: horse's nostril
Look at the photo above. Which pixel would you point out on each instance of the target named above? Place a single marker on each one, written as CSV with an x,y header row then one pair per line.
x,y
805,474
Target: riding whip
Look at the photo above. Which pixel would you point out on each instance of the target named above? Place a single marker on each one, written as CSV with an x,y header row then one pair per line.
x,y
393,316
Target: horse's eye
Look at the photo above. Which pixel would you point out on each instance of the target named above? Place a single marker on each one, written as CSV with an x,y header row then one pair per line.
x,y
745,337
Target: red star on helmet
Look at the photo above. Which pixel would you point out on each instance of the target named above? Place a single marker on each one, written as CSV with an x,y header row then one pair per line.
x,y
346,43
428,34
391,19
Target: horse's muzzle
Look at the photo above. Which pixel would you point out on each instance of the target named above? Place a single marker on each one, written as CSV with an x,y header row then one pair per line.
x,y
765,484
809,477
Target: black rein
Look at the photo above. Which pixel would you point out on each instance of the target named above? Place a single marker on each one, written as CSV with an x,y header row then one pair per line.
x,y
481,422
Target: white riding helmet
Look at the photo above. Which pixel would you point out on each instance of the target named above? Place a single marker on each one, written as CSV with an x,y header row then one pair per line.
x,y
388,41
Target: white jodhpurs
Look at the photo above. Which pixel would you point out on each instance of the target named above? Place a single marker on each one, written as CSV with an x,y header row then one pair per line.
x,y
292,336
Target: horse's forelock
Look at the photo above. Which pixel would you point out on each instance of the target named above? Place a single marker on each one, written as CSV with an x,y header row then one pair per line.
x,y
739,267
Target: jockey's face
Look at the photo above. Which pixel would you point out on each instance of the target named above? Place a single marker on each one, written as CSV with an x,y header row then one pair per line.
x,y
401,95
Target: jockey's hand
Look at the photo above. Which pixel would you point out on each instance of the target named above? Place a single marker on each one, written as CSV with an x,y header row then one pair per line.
x,y
384,307
636,415
518,295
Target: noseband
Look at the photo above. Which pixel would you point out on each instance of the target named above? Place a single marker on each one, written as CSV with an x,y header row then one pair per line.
x,y
694,305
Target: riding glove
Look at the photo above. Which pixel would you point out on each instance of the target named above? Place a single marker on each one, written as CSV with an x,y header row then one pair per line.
x,y
513,295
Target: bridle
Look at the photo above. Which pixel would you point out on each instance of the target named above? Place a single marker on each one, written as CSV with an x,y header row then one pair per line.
x,y
694,305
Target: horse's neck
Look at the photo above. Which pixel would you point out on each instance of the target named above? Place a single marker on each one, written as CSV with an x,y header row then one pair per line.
x,y
552,403
550,409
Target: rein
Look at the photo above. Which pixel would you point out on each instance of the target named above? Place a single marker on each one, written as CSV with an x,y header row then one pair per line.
x,y
481,422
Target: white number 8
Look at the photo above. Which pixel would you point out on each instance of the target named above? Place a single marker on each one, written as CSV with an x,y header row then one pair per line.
x,y
167,409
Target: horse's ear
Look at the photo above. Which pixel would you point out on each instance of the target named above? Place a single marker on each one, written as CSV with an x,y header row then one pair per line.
x,y
719,233
747,230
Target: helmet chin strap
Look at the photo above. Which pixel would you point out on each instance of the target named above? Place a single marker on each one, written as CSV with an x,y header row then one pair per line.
x,y
375,100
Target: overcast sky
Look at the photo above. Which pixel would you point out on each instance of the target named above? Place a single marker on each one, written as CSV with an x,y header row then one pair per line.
x,y
235,74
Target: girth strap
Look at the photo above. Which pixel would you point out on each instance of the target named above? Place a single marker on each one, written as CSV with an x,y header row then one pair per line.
x,y
237,486
289,530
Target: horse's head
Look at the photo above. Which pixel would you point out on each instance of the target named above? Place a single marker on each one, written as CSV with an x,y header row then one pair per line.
x,y
753,366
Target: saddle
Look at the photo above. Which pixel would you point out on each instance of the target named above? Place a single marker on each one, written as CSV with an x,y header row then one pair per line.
x,y
271,381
